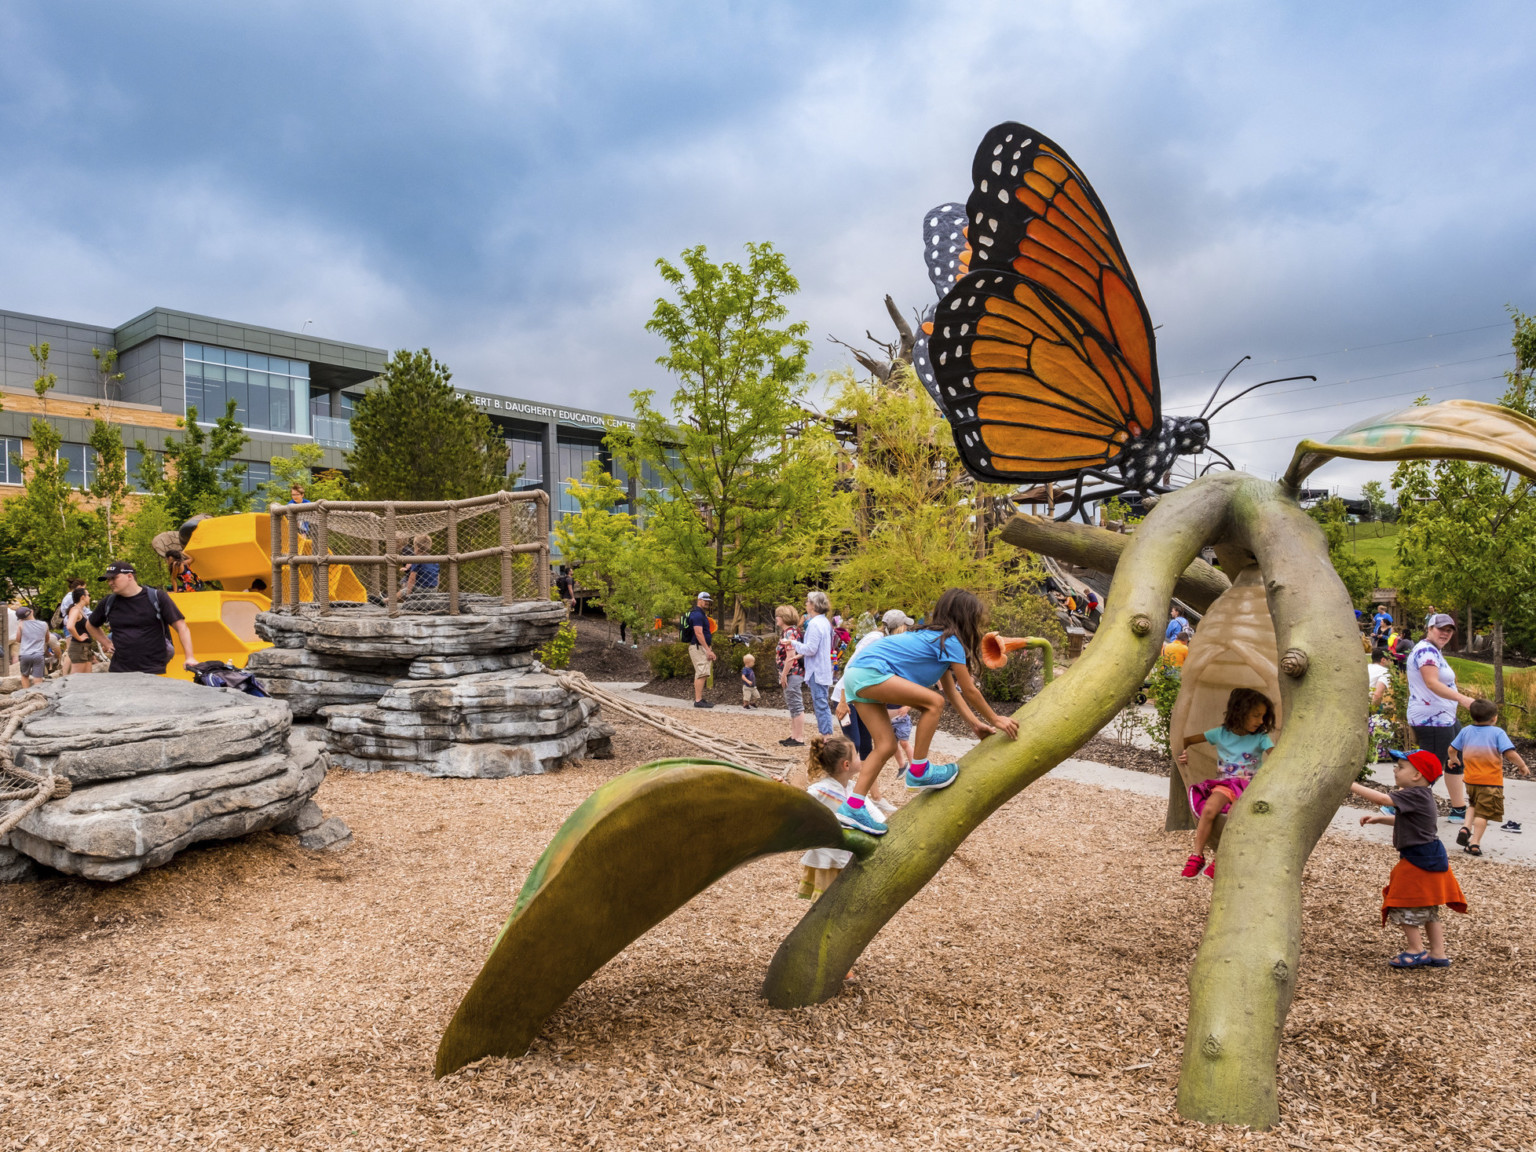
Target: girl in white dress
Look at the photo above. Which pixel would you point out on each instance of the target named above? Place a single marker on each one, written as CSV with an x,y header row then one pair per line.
x,y
830,766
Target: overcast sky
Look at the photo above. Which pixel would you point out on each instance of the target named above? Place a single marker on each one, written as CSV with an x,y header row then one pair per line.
x,y
1320,185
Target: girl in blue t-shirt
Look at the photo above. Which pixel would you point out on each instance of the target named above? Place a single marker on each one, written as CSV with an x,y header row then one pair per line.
x,y
905,670
1240,744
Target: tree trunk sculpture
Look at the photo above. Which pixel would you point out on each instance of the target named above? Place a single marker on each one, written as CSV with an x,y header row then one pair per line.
x,y
1244,974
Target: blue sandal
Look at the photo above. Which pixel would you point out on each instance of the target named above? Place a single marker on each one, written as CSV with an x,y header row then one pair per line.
x,y
1411,960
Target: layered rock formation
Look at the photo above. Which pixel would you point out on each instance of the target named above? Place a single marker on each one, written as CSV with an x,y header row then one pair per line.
x,y
157,765
433,694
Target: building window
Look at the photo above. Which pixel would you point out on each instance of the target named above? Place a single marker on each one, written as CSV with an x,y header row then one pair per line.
x,y
10,465
573,458
257,474
133,461
527,453
269,392
82,463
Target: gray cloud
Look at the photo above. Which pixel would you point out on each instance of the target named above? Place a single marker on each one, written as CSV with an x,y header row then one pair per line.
x,y
496,181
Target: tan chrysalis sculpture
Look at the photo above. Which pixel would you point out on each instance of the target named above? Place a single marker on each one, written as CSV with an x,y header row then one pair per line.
x,y
1234,647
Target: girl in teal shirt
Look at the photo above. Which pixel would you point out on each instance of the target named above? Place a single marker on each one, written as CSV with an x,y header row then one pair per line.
x,y
1240,743
920,670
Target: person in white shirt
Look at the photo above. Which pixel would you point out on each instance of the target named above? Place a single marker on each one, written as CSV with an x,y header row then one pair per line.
x,y
830,765
817,653
1380,672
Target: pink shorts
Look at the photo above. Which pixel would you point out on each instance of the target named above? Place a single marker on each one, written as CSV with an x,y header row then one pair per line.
x,y
1201,792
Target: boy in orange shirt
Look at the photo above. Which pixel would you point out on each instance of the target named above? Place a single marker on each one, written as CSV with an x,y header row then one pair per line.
x,y
1483,747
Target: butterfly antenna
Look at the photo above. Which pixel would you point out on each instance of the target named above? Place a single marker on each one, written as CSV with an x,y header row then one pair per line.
x,y
1219,383
1260,384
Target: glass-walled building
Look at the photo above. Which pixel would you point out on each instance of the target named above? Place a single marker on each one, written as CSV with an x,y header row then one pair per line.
x,y
287,387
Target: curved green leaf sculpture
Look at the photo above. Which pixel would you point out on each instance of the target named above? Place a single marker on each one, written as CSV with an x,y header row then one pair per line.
x,y
1450,430
637,849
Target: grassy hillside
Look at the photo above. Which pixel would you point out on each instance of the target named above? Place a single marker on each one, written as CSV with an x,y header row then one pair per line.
x,y
1377,542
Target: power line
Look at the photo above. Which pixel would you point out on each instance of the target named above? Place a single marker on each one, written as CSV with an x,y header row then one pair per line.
x,y
1341,351
1362,379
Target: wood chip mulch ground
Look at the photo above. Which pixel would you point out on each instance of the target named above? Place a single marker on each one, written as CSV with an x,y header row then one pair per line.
x,y
251,995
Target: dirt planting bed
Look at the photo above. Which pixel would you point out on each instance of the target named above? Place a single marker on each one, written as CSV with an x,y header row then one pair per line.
x,y
252,995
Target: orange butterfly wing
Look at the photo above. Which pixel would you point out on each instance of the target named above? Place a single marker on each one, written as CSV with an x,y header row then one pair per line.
x,y
1031,393
1047,365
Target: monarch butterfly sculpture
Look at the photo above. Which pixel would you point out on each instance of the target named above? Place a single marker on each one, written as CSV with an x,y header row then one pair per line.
x,y
1041,352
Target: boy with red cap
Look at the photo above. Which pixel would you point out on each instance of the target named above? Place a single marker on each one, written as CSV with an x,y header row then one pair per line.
x,y
1422,879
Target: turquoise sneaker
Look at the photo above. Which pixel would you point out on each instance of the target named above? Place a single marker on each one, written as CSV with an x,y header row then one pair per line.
x,y
864,819
938,776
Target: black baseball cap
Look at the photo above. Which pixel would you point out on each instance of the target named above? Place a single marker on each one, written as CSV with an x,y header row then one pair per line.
x,y
119,568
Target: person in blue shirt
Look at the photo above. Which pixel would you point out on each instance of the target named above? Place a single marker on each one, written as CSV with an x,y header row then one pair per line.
x,y
1240,743
420,577
1176,624
905,670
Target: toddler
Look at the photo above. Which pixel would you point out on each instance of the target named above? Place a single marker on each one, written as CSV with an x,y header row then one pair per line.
x,y
830,767
1422,879
749,693
1483,747
1240,743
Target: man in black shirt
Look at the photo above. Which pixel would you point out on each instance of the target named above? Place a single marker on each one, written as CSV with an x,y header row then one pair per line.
x,y
141,620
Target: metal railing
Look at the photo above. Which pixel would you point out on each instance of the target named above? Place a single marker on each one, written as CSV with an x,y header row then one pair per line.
x,y
459,551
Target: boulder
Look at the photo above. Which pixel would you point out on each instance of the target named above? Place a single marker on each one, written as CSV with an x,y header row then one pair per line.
x,y
146,785
14,867
366,632
114,726
332,834
430,693
491,724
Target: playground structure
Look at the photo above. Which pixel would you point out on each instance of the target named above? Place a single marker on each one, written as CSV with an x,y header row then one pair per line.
x,y
613,871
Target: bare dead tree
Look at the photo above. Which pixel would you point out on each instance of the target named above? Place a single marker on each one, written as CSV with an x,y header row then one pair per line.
x,y
892,352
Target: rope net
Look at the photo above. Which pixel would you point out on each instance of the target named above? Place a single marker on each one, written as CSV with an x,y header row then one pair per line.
x,y
476,529
22,791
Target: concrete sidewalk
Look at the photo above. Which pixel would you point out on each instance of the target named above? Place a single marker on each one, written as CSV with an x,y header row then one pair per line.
x,y
1499,847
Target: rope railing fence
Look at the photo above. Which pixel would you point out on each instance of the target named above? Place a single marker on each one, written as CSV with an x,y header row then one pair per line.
x,y
430,556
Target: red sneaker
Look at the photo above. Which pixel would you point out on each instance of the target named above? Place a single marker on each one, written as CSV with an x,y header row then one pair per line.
x,y
1210,869
1192,867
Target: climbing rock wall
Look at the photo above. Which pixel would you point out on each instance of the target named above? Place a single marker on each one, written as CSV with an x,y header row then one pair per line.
x,y
432,694
157,765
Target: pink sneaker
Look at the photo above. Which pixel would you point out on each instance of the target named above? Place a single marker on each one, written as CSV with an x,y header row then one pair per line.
x,y
1192,867
1210,869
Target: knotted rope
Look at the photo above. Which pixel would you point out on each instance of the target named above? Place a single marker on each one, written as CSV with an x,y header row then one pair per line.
x,y
22,790
776,764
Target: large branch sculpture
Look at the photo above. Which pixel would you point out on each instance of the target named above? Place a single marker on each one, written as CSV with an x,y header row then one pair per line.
x,y
639,847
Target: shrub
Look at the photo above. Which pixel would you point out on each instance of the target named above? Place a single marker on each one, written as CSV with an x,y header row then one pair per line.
x,y
669,660
1163,691
557,653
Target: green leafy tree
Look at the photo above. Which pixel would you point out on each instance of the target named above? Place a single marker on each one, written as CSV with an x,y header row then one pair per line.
x,y
916,535
1359,576
299,468
203,476
743,504
106,371
417,439
1374,493
45,535
46,381
614,558
1468,535
109,484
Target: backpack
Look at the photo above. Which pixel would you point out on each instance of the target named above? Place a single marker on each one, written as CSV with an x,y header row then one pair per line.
x,y
154,600
218,674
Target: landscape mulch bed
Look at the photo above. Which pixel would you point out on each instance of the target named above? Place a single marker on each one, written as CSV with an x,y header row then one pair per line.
x,y
253,995
599,656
